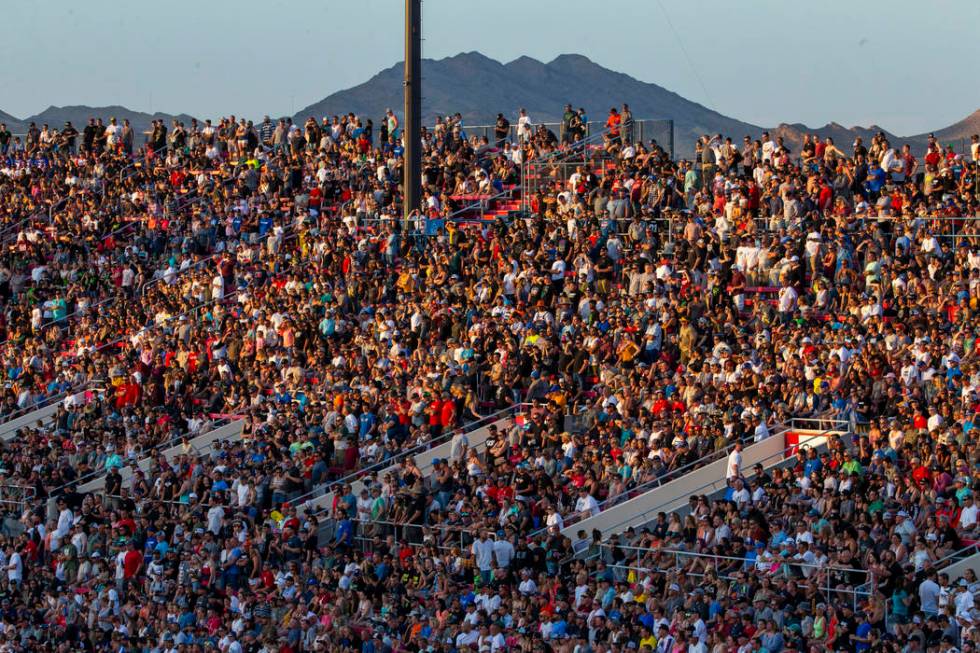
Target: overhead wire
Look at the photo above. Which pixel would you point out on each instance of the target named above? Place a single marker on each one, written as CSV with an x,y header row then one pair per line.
x,y
690,62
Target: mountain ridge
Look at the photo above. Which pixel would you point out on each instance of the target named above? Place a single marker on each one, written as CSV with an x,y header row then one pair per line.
x,y
478,87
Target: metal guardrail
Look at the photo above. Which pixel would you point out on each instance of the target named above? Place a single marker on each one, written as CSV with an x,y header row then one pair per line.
x,y
782,454
44,403
146,454
640,130
15,499
822,574
405,455
826,424
482,205
177,274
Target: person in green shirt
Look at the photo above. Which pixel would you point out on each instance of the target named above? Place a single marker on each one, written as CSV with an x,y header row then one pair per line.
x,y
851,465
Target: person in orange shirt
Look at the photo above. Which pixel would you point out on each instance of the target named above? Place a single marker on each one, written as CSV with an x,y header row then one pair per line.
x,y
613,137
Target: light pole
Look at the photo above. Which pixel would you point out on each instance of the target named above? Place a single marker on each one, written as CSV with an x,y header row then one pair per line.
x,y
412,167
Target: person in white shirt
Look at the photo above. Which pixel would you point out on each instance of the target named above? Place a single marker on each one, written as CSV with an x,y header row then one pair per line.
x,y
586,505
741,495
968,516
700,630
467,637
65,520
495,639
216,515
554,519
768,147
503,551
15,566
890,161
963,600
112,133
665,641
734,468
527,586
486,601
364,503
524,126
482,550
787,300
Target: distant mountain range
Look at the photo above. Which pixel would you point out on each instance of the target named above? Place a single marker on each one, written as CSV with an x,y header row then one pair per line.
x,y
479,87
56,117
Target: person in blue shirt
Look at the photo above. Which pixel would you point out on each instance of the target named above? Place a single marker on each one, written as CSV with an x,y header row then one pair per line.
x,y
328,325
647,620
186,620
812,464
876,181
366,424
559,627
861,639
283,396
953,372
344,536
230,570
219,484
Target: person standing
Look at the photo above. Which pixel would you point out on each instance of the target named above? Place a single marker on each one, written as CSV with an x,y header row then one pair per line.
x,y
566,124
501,130
15,566
128,137
523,127
68,137
734,468
628,124
483,550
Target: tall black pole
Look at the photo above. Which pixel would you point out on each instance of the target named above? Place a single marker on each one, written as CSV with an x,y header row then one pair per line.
x,y
413,106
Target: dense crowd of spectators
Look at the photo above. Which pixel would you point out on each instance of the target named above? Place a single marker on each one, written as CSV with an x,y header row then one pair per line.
x,y
675,310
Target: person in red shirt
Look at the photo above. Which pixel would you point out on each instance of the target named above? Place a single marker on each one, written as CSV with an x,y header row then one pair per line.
x,y
826,195
447,412
613,122
435,417
132,561
920,473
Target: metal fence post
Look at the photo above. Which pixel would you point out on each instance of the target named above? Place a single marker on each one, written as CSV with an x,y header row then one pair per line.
x,y
828,585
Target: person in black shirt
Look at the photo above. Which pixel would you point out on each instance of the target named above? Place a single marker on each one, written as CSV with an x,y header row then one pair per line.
x,y
88,135
501,130
68,136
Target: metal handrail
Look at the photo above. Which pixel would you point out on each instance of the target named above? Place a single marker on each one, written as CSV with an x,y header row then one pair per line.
x,y
46,402
782,453
157,280
149,454
173,317
74,313
564,152
482,204
15,227
404,455
955,556
718,454
716,556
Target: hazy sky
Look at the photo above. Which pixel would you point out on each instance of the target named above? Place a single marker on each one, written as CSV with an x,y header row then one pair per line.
x,y
907,65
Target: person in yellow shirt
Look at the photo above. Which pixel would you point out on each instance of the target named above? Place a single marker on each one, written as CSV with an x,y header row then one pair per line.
x,y
648,639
